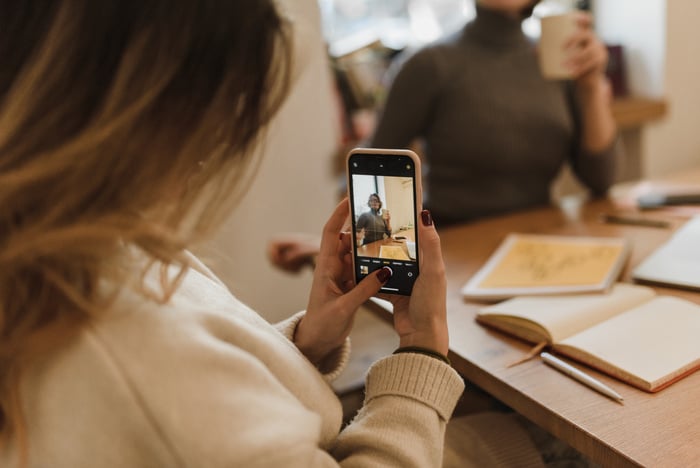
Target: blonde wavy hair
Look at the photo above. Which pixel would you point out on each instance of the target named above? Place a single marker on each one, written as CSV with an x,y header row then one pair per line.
x,y
122,122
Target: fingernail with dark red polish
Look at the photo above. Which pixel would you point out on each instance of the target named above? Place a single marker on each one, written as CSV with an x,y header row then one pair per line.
x,y
340,236
426,218
384,274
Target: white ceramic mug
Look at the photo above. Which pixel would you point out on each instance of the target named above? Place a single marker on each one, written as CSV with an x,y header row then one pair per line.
x,y
556,30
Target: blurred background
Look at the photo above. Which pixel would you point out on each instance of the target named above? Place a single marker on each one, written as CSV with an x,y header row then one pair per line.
x,y
343,50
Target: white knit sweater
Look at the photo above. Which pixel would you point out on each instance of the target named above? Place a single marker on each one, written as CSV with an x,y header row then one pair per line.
x,y
203,381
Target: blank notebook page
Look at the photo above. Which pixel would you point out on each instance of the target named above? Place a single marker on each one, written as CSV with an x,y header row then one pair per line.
x,y
650,341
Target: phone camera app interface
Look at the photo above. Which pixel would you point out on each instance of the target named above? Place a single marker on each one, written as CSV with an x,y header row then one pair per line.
x,y
384,220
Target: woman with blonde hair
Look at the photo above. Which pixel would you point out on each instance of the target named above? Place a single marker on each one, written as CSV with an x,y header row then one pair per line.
x,y
125,126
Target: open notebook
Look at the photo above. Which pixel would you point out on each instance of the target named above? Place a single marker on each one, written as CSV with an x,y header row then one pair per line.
x,y
630,333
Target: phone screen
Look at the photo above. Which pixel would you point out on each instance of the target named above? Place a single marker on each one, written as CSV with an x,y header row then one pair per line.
x,y
382,190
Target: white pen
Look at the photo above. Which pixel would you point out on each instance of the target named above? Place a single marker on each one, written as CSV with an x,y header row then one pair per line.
x,y
585,379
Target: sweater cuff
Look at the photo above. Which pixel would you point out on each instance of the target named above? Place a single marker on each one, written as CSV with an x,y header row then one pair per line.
x,y
334,363
289,325
598,170
422,378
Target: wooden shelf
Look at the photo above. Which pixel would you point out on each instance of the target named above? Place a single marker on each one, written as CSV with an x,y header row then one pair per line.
x,y
633,112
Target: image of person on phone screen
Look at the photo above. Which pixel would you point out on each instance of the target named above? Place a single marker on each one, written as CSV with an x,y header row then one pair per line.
x,y
374,224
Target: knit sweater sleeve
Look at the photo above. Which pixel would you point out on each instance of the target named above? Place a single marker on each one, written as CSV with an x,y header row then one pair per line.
x,y
596,170
333,364
408,401
410,102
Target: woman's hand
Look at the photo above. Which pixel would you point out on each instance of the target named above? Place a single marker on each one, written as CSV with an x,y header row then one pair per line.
x,y
291,252
588,59
360,236
334,298
588,56
421,319
387,221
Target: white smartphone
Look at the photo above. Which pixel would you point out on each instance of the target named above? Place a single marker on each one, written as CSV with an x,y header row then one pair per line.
x,y
384,188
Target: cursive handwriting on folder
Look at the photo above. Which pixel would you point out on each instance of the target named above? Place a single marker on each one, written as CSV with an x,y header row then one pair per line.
x,y
532,262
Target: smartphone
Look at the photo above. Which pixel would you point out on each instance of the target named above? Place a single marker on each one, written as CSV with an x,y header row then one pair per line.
x,y
384,188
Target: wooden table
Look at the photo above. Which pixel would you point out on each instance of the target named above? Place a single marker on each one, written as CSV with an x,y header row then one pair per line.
x,y
660,429
398,239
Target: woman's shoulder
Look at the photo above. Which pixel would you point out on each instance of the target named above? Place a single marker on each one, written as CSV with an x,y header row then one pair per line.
x,y
433,52
430,61
198,301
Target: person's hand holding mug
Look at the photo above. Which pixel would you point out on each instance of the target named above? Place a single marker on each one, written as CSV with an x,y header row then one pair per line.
x,y
569,49
386,216
587,55
360,237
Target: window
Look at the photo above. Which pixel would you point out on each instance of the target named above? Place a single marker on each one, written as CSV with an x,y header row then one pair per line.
x,y
350,24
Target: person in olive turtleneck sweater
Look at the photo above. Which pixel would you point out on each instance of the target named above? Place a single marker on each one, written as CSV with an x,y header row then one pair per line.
x,y
495,132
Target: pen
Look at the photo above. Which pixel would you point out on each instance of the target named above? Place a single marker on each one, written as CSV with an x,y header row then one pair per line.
x,y
585,379
617,219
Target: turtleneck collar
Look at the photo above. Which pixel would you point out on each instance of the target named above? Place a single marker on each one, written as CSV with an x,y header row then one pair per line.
x,y
495,29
